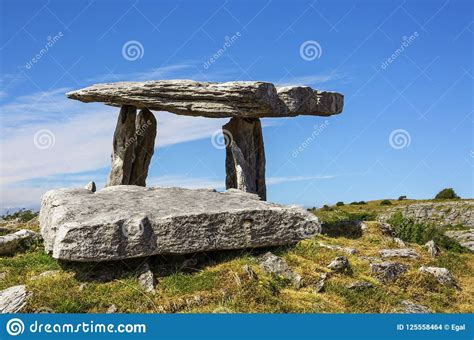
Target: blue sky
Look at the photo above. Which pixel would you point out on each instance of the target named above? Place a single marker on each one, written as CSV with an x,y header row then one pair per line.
x,y
405,68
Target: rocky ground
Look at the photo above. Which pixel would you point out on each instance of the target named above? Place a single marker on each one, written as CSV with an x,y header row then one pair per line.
x,y
359,267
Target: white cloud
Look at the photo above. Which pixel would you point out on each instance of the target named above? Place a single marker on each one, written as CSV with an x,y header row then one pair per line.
x,y
152,74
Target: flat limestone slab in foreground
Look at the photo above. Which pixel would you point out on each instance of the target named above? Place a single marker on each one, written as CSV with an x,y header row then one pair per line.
x,y
127,221
244,99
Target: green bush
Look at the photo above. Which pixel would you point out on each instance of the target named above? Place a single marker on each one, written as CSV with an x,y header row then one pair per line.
x,y
385,202
326,208
410,231
22,215
401,198
446,194
339,204
358,203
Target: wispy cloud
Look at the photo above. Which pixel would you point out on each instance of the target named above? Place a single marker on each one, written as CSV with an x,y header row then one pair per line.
x,y
311,80
151,74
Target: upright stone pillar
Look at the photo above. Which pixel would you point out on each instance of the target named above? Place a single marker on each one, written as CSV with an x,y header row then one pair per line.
x,y
145,146
123,147
245,156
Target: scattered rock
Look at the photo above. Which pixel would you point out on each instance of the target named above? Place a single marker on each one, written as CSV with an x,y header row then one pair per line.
x,y
387,272
273,264
442,275
386,229
10,243
82,286
370,258
112,309
410,307
13,299
189,265
146,279
350,251
464,237
319,286
404,253
90,186
44,310
360,285
432,248
399,242
249,272
339,264
47,273
78,225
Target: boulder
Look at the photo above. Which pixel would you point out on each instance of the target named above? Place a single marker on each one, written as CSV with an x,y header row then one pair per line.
x,y
410,307
91,186
13,299
339,264
10,243
348,229
350,251
432,248
387,272
319,286
399,242
128,221
245,99
360,285
442,275
273,264
146,278
386,229
404,253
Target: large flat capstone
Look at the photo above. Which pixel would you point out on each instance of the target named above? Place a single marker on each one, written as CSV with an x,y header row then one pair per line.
x,y
244,99
128,221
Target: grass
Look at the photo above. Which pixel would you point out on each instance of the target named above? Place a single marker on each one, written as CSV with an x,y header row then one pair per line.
x,y
220,284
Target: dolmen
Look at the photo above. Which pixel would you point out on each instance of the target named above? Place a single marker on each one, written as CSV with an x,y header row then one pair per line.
x,y
127,220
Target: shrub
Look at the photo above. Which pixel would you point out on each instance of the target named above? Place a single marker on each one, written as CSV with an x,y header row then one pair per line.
x,y
401,198
326,208
339,204
385,202
22,215
446,194
358,203
410,231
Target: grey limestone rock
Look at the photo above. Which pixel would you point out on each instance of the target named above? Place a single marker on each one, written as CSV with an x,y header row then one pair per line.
x,y
128,221
245,99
